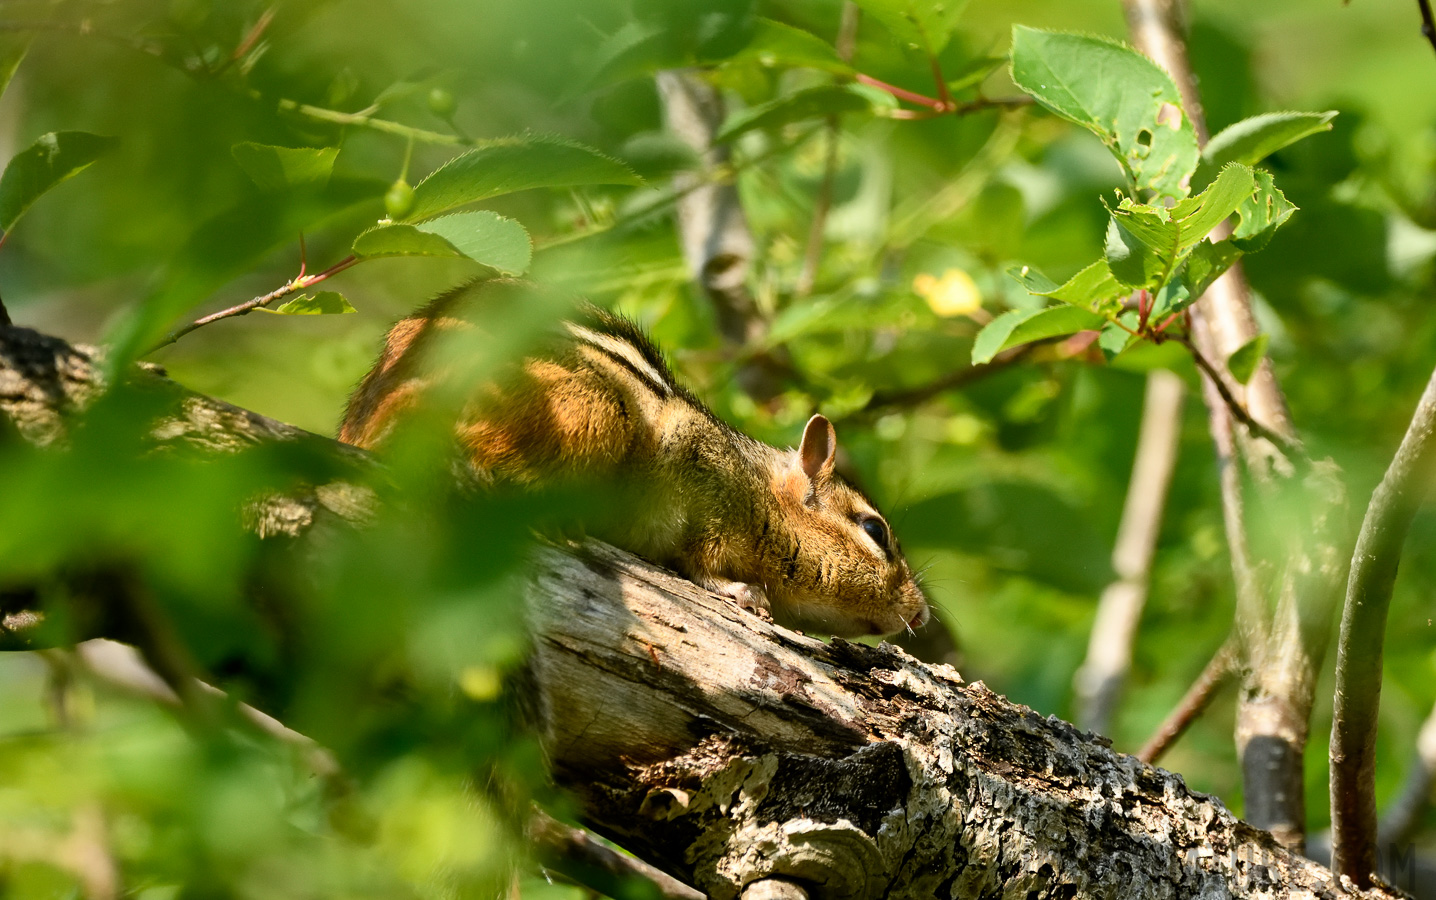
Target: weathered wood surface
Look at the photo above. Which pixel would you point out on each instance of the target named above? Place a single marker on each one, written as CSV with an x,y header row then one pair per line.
x,y
729,751
726,750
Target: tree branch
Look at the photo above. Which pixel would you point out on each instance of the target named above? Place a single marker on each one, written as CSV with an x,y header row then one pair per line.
x,y
1363,632
1193,703
1282,639
1428,24
1100,679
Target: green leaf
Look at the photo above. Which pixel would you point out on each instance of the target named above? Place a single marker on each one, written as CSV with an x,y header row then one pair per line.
x,y
514,164
974,72
47,162
280,168
637,48
1117,93
1022,326
13,48
324,303
1115,339
1206,264
1244,360
1261,215
806,104
1146,244
777,44
1094,288
1252,140
923,25
483,236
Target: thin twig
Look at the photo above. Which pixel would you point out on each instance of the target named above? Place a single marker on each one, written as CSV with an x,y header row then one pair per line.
x,y
1100,680
1198,697
1428,24
1363,632
299,283
247,44
908,397
574,853
1291,450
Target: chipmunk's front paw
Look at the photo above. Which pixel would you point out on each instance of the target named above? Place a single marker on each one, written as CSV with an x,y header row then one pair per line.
x,y
748,596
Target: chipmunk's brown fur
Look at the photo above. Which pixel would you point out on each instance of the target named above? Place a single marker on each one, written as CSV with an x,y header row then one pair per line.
x,y
770,528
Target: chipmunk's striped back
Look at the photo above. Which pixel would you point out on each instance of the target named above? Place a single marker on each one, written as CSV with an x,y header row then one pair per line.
x,y
770,528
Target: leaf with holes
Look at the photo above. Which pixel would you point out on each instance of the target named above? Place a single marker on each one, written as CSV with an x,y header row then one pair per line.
x,y
922,25
1261,215
1094,288
1023,326
1244,360
1146,244
47,162
1206,264
280,168
483,236
323,303
1118,94
514,164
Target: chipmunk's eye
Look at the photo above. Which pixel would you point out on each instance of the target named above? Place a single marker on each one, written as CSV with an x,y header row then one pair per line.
x,y
876,529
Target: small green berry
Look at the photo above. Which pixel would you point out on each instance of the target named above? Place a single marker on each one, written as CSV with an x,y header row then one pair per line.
x,y
442,103
399,199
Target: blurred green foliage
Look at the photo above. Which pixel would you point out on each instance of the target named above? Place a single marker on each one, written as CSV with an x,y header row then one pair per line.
x,y
389,646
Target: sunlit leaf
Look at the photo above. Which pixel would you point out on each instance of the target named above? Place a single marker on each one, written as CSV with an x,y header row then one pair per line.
x,y
1261,215
13,47
324,303
47,162
1094,288
1206,264
1244,360
1252,140
1022,326
1117,338
514,164
279,168
483,236
1117,93
1146,244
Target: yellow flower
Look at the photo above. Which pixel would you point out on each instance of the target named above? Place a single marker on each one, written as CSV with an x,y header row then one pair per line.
x,y
954,294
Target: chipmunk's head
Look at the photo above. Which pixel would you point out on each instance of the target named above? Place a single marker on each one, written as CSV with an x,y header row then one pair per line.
x,y
839,568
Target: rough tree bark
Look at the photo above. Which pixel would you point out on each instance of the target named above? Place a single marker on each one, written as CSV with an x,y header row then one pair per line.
x,y
746,759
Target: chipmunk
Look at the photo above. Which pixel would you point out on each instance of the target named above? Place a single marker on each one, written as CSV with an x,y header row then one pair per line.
x,y
774,530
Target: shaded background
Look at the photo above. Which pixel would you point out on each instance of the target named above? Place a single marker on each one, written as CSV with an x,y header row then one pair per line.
x,y
1008,491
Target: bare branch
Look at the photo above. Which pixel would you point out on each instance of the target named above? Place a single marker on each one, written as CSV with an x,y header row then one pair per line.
x,y
574,853
1192,704
907,397
243,309
1103,674
1290,449
1428,24
1282,648
1363,632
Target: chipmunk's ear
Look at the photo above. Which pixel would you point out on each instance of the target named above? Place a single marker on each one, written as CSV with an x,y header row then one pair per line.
x,y
819,447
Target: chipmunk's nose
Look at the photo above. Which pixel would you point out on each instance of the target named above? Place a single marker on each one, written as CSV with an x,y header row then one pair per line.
x,y
921,618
